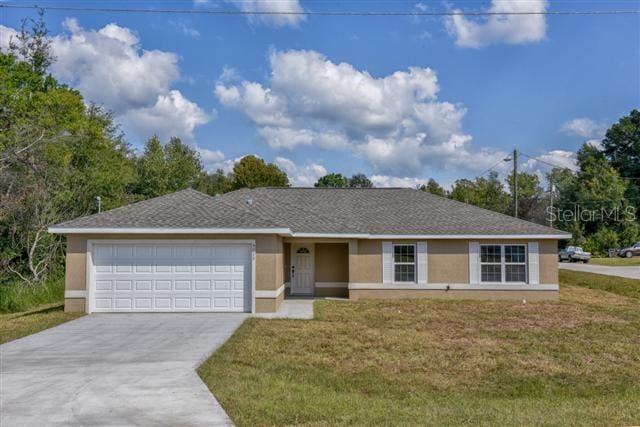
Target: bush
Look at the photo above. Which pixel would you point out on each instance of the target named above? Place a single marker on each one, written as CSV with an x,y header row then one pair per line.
x,y
15,296
601,241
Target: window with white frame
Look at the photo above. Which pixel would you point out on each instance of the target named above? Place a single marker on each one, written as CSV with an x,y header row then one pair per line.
x,y
503,263
404,263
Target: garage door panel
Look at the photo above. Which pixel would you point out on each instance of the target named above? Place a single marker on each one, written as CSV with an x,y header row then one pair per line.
x,y
171,277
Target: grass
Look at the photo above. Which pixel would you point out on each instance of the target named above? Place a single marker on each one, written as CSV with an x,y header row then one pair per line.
x,y
431,362
616,285
17,297
18,325
616,262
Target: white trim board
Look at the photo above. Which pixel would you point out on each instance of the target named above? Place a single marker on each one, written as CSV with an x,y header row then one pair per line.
x,y
270,294
453,287
289,233
111,230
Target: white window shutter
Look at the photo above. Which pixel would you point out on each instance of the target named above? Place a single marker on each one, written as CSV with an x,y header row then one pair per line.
x,y
387,262
422,250
474,262
534,263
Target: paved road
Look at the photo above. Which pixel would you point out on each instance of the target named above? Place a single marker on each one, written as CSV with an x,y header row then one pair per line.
x,y
630,272
114,369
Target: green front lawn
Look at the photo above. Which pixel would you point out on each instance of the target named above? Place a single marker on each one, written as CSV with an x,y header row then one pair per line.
x,y
616,262
573,362
18,325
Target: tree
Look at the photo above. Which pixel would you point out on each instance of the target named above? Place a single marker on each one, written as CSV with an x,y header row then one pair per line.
x,y
360,180
163,170
32,44
253,172
332,180
56,155
598,191
213,183
486,193
152,170
622,148
433,187
531,197
183,165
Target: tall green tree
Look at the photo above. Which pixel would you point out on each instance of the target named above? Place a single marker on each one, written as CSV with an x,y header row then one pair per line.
x,y
433,187
253,172
360,180
483,192
213,183
532,199
152,170
621,146
165,169
56,155
332,180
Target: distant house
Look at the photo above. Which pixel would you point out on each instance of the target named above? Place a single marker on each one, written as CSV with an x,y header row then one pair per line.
x,y
246,250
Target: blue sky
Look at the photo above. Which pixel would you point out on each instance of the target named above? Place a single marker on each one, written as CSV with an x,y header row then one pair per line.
x,y
401,99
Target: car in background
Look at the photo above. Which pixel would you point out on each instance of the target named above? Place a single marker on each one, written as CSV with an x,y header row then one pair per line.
x,y
574,254
631,251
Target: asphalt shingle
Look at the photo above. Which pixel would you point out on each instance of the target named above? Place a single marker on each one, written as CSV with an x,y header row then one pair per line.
x,y
398,211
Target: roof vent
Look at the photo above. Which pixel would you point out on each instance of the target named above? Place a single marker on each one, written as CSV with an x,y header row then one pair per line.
x,y
249,201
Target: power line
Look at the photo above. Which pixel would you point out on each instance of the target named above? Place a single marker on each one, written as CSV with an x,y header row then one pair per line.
x,y
318,13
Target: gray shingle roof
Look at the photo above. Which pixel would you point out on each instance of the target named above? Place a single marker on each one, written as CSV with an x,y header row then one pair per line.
x,y
398,211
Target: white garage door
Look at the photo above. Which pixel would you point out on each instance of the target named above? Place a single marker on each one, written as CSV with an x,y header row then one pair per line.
x,y
171,276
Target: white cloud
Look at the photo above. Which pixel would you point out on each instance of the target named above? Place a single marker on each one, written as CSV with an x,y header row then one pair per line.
x,y
6,35
109,67
184,28
301,176
395,122
277,13
394,181
584,127
512,29
171,115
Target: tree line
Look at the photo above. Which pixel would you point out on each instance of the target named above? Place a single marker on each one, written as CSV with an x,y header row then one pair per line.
x,y
57,153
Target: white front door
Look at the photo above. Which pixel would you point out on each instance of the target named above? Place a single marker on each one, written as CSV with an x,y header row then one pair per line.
x,y
302,279
171,275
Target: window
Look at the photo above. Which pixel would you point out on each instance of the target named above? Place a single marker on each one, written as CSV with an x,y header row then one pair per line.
x,y
503,263
404,263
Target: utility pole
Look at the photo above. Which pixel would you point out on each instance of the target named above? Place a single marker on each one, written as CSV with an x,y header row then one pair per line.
x,y
515,182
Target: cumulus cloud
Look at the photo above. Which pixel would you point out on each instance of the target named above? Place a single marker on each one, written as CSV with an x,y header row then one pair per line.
x,y
278,13
395,122
301,175
109,67
584,127
171,115
6,35
394,181
512,29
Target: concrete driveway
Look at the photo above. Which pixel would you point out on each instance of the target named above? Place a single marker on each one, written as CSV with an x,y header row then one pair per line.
x,y
629,272
116,370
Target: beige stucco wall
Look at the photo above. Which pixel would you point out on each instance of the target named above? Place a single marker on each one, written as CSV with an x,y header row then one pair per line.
x,y
448,260
269,257
269,305
332,262
367,262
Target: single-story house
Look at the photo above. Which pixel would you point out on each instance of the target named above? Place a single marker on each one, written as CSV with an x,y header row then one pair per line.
x,y
248,249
